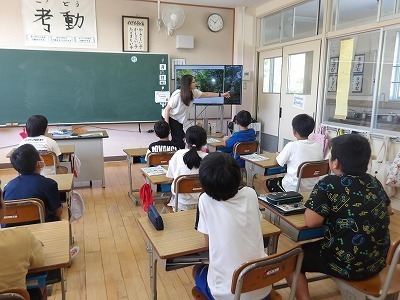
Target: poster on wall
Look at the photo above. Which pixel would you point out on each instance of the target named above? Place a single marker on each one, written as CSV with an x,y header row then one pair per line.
x,y
60,23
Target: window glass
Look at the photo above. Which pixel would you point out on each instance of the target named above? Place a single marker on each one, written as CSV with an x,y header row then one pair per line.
x,y
272,75
287,24
350,79
300,73
388,109
306,20
390,7
354,13
270,29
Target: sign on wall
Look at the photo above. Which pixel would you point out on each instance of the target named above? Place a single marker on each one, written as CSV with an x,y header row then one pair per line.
x,y
60,23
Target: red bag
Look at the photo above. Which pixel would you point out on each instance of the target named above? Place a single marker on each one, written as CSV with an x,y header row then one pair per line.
x,y
146,195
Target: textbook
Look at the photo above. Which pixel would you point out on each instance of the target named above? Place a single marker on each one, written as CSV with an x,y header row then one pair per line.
x,y
90,134
153,171
212,140
254,157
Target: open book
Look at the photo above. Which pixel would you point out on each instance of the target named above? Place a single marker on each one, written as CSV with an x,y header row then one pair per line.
x,y
153,171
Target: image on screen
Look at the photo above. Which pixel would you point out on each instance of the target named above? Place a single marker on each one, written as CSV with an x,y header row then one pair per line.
x,y
214,78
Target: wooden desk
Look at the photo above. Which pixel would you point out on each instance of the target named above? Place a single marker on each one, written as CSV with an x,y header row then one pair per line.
x,y
179,238
258,167
64,181
133,156
55,238
213,146
89,149
65,149
157,179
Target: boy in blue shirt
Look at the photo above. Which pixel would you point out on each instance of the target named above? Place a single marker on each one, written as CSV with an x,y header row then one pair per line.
x,y
245,134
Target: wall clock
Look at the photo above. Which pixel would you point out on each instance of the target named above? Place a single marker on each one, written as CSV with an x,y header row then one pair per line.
x,y
215,22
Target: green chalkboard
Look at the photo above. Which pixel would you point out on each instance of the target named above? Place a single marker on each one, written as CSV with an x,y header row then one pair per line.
x,y
81,87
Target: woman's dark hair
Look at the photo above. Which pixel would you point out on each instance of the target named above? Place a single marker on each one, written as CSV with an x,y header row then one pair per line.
x,y
353,152
196,137
219,175
186,92
36,125
24,159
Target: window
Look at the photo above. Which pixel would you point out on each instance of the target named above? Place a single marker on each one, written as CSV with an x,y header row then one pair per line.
x,y
272,75
345,16
390,7
300,73
395,78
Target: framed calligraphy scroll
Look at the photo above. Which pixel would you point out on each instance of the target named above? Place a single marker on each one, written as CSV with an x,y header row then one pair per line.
x,y
135,34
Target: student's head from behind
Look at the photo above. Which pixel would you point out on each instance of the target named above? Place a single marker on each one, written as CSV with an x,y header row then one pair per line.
x,y
243,118
196,138
350,154
26,159
161,128
219,175
303,124
36,125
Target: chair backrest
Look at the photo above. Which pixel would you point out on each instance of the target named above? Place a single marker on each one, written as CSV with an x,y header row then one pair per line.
x,y
50,159
392,259
244,148
186,184
259,273
159,158
311,169
24,210
14,294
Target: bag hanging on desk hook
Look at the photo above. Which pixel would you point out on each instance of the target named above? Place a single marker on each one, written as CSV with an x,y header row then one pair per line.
x,y
393,175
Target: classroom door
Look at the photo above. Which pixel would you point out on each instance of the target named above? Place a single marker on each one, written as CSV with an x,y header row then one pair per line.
x,y
300,73
269,97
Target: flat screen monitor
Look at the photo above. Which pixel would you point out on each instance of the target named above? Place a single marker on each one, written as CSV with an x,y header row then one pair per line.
x,y
214,78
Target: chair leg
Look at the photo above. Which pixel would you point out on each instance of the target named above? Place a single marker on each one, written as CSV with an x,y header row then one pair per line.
x,y
63,296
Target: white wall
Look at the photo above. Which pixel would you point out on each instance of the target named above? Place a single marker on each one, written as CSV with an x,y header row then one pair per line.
x,y
210,48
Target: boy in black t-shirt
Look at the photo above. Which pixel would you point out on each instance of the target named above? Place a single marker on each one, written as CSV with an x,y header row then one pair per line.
x,y
162,130
353,209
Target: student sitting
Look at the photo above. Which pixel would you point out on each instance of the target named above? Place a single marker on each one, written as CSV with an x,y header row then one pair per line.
x,y
353,209
30,184
162,130
294,154
36,127
20,250
230,220
245,134
186,162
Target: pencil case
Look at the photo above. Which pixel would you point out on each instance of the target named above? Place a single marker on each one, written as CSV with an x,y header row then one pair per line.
x,y
155,218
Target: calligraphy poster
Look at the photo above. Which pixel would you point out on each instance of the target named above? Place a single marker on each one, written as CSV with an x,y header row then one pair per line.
x,y
60,23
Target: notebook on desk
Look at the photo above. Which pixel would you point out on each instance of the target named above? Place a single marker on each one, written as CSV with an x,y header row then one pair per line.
x,y
286,203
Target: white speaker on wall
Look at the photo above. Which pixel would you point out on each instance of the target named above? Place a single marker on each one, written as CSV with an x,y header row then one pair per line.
x,y
184,42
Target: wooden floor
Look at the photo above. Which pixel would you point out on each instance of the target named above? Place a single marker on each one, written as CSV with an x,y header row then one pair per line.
x,y
113,262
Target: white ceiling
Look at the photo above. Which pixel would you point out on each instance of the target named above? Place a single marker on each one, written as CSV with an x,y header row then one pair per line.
x,y
221,3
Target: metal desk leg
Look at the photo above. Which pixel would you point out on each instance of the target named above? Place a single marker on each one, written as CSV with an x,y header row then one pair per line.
x,y
273,245
131,190
249,170
153,271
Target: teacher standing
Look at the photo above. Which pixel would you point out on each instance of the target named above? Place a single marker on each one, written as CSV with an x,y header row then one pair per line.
x,y
179,104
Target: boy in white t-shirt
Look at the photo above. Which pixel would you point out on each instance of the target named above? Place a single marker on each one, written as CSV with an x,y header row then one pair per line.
x,y
230,220
294,154
36,127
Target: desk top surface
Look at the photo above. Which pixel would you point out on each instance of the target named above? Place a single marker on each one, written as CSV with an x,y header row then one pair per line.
x,y
157,179
55,239
135,152
179,236
65,149
85,135
270,162
64,181
217,143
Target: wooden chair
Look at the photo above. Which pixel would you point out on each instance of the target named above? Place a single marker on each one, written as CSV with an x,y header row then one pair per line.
x,y
311,169
385,285
245,148
50,160
24,211
14,294
159,158
184,184
259,273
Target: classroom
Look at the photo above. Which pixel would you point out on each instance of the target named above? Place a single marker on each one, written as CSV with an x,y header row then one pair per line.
x,y
300,56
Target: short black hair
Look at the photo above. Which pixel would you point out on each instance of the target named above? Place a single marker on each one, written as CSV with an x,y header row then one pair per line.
x,y
24,159
243,118
161,128
353,152
303,124
36,125
219,175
